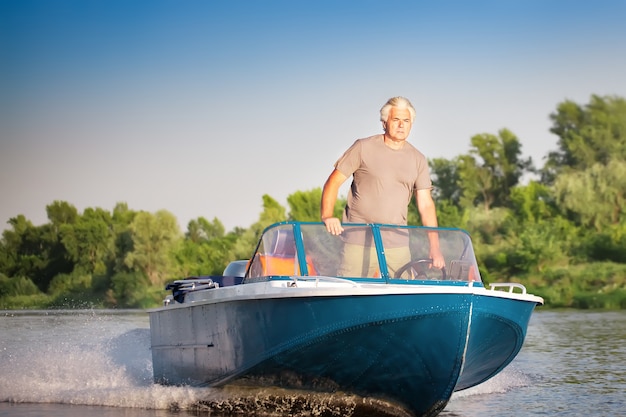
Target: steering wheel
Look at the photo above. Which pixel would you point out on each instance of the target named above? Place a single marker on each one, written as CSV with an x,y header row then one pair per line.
x,y
418,269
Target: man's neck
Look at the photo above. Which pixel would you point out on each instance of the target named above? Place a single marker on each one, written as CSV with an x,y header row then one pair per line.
x,y
394,143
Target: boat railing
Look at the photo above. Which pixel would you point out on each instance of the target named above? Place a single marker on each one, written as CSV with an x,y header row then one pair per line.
x,y
511,286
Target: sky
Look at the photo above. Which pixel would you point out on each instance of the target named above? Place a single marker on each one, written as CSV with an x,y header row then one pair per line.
x,y
202,107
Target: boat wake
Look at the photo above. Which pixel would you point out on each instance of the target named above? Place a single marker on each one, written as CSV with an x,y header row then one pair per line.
x,y
87,367
509,379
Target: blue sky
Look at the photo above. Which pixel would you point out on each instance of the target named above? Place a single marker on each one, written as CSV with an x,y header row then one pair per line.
x,y
201,107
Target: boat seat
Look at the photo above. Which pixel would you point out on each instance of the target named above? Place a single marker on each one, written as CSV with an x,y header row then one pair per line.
x,y
280,265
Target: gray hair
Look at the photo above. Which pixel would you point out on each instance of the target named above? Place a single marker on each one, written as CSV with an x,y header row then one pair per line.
x,y
400,102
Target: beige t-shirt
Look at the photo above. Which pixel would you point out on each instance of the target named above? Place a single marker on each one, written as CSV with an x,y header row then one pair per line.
x,y
384,180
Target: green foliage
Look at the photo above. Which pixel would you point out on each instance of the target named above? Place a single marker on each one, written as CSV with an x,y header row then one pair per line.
x,y
607,245
33,252
245,245
272,213
446,180
535,247
11,287
206,250
596,196
450,215
532,203
592,285
304,206
204,258
89,240
130,290
201,230
487,227
61,212
154,237
25,302
492,168
588,134
74,283
122,218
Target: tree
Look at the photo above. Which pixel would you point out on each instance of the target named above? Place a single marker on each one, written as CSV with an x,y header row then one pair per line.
x,y
121,218
205,249
596,196
201,229
89,241
16,286
532,203
304,206
488,179
155,237
129,289
204,258
53,253
588,134
34,252
272,213
446,179
61,212
12,249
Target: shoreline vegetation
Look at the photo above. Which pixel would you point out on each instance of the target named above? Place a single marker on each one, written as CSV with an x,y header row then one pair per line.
x,y
561,232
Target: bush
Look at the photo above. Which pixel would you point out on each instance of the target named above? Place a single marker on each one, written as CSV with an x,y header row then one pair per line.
x,y
610,245
130,290
586,286
74,283
25,302
11,287
609,301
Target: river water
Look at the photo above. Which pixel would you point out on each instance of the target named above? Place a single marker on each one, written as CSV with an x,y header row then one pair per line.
x,y
98,363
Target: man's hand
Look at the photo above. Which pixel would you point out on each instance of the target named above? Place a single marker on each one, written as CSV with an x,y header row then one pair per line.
x,y
437,257
333,225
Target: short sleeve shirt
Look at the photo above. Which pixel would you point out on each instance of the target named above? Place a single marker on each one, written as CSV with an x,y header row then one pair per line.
x,y
384,180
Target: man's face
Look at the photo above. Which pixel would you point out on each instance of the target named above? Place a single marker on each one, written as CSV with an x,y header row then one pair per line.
x,y
398,124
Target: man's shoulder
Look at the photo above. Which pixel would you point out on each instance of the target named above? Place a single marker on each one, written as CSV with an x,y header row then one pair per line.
x,y
375,139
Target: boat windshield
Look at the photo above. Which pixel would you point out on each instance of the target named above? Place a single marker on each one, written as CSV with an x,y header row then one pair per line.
x,y
369,251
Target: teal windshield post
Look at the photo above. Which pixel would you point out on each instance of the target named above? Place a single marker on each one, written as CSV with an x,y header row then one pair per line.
x,y
297,233
380,252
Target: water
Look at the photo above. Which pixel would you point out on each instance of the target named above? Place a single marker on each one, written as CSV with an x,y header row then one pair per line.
x,y
92,363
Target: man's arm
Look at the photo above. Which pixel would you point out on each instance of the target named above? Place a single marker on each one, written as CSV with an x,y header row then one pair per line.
x,y
426,207
428,215
329,197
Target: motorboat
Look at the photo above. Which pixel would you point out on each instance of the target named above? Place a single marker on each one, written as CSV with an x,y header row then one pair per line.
x,y
365,312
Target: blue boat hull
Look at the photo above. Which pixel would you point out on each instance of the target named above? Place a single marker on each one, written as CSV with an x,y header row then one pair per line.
x,y
498,330
347,343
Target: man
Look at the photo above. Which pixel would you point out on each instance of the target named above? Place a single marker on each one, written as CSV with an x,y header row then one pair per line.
x,y
387,171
